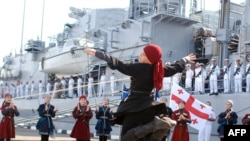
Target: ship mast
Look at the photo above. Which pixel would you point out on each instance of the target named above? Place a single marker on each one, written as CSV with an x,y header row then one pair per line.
x,y
223,33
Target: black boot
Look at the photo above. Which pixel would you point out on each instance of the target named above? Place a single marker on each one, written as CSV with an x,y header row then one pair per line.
x,y
141,131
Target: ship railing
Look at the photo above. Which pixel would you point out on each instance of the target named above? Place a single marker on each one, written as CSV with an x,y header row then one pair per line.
x,y
26,122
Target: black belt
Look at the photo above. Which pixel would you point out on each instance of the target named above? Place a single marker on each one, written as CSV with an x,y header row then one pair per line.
x,y
135,91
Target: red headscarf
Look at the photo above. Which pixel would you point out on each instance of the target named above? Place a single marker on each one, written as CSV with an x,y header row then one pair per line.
x,y
154,53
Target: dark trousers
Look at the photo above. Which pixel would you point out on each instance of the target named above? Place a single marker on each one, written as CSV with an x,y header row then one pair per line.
x,y
44,137
133,120
5,140
221,139
103,138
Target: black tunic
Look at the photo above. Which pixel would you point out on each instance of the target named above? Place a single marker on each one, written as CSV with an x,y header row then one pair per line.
x,y
140,99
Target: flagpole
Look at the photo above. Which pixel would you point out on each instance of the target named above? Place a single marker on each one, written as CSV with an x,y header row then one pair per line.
x,y
41,36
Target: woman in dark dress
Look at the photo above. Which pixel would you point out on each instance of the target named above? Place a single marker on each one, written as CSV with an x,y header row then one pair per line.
x,y
103,115
7,125
45,124
139,113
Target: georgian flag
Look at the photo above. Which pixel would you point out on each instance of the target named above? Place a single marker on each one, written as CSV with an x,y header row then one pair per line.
x,y
199,111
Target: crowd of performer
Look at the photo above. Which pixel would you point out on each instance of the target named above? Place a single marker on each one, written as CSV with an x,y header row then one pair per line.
x,y
83,113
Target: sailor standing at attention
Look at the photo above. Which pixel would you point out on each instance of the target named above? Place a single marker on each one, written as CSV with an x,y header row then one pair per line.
x,y
71,87
21,89
48,87
238,73
213,73
189,76
32,88
90,85
248,76
40,89
112,83
79,86
197,78
102,84
227,76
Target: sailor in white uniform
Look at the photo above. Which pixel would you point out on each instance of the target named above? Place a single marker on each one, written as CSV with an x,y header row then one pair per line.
x,y
198,79
112,83
32,88
102,84
27,88
205,132
213,72
40,89
21,89
248,76
71,87
227,76
48,88
79,86
90,85
189,76
238,73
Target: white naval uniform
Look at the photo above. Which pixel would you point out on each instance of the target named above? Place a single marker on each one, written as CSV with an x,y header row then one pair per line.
x,y
102,85
112,84
32,89
213,79
199,82
48,88
205,132
79,87
90,87
21,90
238,73
17,90
248,77
71,88
40,90
188,80
227,78
27,87
63,86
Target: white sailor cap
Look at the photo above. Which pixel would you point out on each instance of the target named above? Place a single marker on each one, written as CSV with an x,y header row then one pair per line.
x,y
213,59
188,65
237,59
167,63
226,59
230,101
201,64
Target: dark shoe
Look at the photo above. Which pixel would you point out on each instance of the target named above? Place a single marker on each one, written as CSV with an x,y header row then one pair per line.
x,y
215,93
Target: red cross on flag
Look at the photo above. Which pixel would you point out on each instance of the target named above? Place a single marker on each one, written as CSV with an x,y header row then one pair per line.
x,y
198,111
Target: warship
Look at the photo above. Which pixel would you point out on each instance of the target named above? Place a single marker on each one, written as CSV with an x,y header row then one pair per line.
x,y
179,27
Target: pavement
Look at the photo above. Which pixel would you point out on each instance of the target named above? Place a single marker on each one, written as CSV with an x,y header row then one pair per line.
x,y
23,134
